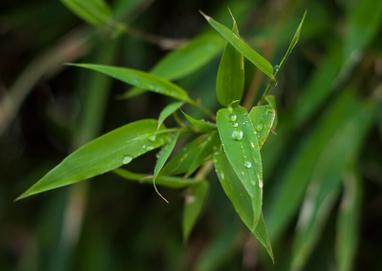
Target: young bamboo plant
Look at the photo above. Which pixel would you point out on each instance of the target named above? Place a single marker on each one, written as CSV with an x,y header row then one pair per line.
x,y
233,144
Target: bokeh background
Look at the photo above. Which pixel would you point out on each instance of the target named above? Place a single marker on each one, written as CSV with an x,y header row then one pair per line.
x,y
328,141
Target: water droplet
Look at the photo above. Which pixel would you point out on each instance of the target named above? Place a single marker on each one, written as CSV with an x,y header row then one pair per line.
x,y
232,117
152,138
276,68
261,183
235,124
252,145
259,127
247,164
127,159
237,134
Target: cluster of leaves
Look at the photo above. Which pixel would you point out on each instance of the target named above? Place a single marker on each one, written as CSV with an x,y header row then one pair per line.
x,y
233,143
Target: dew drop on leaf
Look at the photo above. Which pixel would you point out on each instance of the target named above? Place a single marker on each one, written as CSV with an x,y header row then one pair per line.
x,y
152,138
232,117
237,134
235,124
259,127
127,159
247,164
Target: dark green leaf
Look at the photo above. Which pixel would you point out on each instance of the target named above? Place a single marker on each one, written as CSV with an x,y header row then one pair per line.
x,y
107,152
95,12
230,77
193,203
243,153
192,155
259,61
240,199
140,79
199,125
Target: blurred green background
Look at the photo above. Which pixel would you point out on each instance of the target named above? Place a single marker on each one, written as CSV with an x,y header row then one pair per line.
x,y
322,167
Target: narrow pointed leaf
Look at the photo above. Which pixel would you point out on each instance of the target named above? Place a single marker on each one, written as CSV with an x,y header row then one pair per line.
x,y
241,147
165,153
167,111
240,200
230,76
192,155
140,79
193,204
95,12
185,60
263,118
161,180
103,154
293,42
199,125
348,221
243,48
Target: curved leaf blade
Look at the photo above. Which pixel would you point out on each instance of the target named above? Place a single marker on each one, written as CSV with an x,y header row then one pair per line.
x,y
140,79
107,152
199,125
165,153
242,149
95,12
254,57
167,111
193,204
263,118
230,76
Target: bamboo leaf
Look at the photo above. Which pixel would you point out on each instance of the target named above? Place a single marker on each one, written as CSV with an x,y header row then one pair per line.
x,y
230,76
348,221
242,149
140,79
165,181
193,204
199,125
165,153
240,199
184,60
95,12
192,155
167,111
105,153
263,118
254,57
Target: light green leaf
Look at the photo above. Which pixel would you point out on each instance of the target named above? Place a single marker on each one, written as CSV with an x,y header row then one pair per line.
x,y
254,57
192,155
263,118
199,125
348,221
185,60
165,181
167,111
107,152
95,12
193,204
292,43
230,76
240,199
140,79
242,149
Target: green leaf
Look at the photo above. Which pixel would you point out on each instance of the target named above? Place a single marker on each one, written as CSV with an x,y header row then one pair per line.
x,y
348,221
165,181
107,152
192,155
254,57
193,203
140,79
287,194
185,60
240,199
263,118
230,76
95,12
322,191
199,125
242,149
292,43
167,111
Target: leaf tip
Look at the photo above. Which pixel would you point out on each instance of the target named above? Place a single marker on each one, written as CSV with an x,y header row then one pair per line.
x,y
205,15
